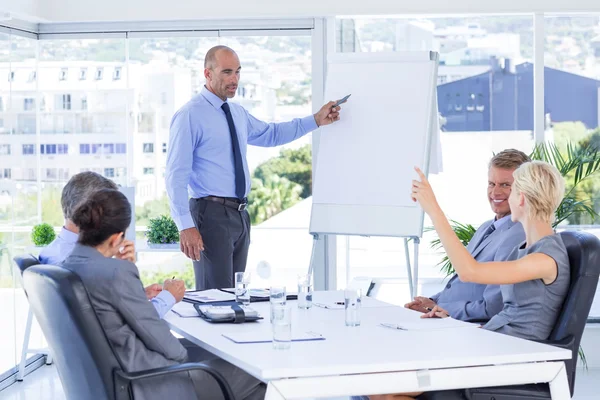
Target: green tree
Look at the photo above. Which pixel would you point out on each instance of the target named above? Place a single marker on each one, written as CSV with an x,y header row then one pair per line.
x,y
568,132
152,209
51,207
269,198
293,164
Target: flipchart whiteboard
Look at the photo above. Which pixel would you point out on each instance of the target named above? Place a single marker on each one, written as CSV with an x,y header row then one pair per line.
x,y
364,168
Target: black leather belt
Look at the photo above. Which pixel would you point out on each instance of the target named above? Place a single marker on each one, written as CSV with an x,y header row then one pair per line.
x,y
229,202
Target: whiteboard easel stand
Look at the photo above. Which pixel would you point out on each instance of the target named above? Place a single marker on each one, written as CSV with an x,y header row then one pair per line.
x,y
412,280
432,129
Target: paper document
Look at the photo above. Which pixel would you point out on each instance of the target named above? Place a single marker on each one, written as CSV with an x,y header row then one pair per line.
x,y
428,324
267,337
209,296
185,310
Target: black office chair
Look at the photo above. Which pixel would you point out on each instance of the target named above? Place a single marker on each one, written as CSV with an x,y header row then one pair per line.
x,y
24,262
86,363
584,259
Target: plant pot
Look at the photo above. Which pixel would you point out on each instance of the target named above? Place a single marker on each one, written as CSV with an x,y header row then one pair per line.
x,y
165,246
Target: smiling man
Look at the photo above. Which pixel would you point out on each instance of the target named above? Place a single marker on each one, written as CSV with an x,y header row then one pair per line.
x,y
493,241
207,162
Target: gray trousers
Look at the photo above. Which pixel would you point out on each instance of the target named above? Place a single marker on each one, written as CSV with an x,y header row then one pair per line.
x,y
226,236
243,385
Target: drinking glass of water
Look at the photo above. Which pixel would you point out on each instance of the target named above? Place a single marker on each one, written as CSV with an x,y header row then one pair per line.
x,y
352,300
242,294
305,291
282,325
277,297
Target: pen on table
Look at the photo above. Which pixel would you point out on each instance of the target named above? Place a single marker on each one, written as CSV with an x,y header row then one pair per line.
x,y
392,326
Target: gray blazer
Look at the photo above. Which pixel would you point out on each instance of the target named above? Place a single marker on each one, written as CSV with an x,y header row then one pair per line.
x,y
141,340
474,301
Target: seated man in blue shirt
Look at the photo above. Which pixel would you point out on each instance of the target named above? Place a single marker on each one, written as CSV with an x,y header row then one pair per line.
x,y
75,192
493,241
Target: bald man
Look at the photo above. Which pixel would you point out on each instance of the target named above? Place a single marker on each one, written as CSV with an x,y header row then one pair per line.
x,y
207,164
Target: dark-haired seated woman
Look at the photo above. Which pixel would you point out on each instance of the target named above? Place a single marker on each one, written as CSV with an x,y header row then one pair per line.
x,y
141,340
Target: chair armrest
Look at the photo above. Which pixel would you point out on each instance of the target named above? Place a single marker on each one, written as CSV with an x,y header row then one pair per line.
x,y
566,343
123,379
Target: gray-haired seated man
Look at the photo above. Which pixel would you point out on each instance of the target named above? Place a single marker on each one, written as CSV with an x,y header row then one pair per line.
x,y
75,192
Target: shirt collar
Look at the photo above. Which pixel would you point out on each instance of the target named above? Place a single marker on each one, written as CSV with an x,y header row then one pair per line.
x,y
68,236
498,223
212,98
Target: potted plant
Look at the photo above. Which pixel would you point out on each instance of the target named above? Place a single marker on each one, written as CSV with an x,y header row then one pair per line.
x,y
162,233
42,234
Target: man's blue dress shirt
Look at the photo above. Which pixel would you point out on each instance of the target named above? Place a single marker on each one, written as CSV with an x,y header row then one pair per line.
x,y
200,159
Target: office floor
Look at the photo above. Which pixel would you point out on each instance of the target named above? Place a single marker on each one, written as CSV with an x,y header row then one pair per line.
x,y
44,384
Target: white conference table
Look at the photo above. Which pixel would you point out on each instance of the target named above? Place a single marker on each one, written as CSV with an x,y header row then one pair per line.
x,y
371,359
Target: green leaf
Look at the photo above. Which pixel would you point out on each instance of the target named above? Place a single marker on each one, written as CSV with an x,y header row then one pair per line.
x,y
42,234
162,230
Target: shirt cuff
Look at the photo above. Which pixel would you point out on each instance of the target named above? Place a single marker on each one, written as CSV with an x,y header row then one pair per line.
x,y
163,302
308,123
184,221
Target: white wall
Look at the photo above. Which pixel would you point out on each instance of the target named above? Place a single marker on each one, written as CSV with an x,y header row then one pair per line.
x,y
147,10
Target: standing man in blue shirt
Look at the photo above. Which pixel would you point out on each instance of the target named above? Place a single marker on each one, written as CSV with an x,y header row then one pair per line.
x,y
207,164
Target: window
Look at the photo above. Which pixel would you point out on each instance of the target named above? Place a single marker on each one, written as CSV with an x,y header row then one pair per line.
x,y
63,74
571,91
28,149
148,171
1,104
97,148
121,148
48,149
163,98
83,74
28,104
4,149
66,101
117,73
99,73
120,172
84,148
109,172
51,174
148,147
164,123
84,103
63,149
146,122
164,148
63,174
11,76
32,76
109,148
6,173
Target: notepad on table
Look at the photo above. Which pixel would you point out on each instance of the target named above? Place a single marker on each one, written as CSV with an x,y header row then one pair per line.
x,y
267,337
184,310
208,296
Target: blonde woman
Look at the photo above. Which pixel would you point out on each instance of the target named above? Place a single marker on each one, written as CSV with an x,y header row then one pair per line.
x,y
534,278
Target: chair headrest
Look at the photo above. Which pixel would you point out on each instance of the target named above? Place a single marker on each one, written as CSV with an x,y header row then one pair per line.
x,y
25,261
